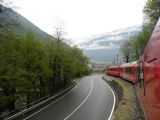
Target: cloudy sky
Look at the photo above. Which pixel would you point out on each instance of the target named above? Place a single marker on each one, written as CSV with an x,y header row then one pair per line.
x,y
82,18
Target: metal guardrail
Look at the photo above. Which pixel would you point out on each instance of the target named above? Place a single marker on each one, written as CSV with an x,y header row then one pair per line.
x,y
38,105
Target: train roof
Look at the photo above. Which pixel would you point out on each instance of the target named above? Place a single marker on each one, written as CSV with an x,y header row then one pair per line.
x,y
130,64
114,66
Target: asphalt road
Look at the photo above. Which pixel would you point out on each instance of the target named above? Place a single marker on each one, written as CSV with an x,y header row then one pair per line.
x,y
91,99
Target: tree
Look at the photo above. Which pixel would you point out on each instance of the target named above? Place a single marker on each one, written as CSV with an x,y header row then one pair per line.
x,y
126,50
10,61
28,68
7,25
57,66
134,47
152,11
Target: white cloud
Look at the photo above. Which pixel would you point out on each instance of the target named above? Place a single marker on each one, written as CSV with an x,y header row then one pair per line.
x,y
83,18
95,46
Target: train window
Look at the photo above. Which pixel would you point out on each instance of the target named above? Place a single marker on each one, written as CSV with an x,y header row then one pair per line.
x,y
126,70
130,70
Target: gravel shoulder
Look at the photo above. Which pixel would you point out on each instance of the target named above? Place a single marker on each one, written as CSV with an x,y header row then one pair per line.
x,y
127,106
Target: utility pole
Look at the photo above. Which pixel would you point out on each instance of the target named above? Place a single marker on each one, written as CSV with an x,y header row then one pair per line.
x,y
117,58
120,62
114,62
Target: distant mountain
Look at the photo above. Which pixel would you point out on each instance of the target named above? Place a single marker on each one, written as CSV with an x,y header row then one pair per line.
x,y
105,47
11,21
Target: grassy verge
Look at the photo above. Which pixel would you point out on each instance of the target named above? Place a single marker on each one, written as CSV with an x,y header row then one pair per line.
x,y
127,107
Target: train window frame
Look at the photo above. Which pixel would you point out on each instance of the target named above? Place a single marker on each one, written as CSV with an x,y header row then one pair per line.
x,y
126,70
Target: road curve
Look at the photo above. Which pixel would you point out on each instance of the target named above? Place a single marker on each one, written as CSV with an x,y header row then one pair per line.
x,y
91,99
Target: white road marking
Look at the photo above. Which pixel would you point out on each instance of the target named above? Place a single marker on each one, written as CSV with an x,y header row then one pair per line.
x,y
51,103
82,102
110,116
92,83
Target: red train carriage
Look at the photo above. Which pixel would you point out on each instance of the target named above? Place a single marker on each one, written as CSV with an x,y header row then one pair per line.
x,y
113,70
146,75
149,77
129,71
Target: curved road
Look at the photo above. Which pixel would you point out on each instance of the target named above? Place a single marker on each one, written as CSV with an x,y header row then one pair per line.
x,y
90,99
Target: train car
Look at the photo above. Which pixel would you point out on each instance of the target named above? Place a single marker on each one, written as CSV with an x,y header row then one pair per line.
x,y
129,71
146,75
113,70
149,77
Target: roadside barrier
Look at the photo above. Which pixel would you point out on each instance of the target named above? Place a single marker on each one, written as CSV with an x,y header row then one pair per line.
x,y
25,111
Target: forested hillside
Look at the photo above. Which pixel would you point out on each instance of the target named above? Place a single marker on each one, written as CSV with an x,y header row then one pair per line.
x,y
32,63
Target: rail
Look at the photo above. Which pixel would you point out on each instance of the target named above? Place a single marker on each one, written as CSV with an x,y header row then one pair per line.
x,y
39,104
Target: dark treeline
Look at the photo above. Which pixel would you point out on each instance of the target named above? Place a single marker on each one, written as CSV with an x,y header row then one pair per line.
x,y
134,47
31,69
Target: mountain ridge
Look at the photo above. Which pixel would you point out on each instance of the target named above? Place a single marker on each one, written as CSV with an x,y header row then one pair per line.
x,y
11,21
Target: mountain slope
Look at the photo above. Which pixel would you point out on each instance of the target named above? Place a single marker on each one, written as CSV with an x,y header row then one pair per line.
x,y
10,21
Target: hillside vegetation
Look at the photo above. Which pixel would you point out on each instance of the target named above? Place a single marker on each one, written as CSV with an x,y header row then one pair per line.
x,y
32,67
134,47
10,21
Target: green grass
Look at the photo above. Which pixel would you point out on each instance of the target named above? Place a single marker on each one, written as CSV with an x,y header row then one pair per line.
x,y
127,108
124,110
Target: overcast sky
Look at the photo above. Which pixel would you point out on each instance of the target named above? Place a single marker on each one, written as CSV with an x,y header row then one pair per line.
x,y
82,18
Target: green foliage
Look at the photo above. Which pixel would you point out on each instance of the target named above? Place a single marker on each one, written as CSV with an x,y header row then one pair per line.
x,y
126,51
31,69
152,11
134,47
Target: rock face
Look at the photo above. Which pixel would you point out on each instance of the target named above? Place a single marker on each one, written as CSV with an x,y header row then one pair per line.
x,y
10,21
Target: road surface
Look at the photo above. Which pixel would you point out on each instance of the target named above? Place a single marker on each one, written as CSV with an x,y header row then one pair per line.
x,y
90,99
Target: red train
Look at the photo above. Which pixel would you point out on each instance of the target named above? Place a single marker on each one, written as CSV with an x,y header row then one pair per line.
x,y
126,71
145,74
113,70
